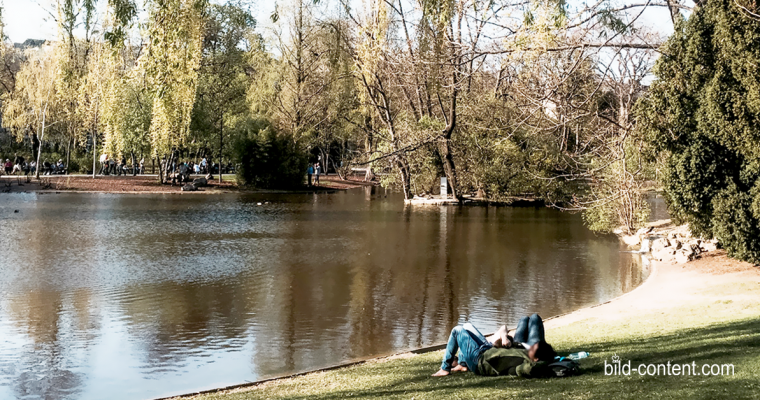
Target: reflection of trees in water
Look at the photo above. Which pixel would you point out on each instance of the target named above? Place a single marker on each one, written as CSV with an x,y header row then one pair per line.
x,y
59,326
60,331
304,284
172,321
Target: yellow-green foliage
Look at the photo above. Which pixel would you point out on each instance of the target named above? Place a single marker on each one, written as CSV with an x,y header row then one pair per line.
x,y
171,63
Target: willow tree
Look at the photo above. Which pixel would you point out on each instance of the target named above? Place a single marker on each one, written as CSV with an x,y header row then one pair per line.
x,y
73,54
119,105
34,104
171,63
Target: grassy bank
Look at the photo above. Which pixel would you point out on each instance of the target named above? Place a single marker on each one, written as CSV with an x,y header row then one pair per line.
x,y
707,312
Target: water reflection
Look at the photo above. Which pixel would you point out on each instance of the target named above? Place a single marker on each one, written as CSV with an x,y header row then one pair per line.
x,y
149,296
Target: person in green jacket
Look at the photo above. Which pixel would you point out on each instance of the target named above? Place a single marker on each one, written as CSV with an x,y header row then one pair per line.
x,y
499,354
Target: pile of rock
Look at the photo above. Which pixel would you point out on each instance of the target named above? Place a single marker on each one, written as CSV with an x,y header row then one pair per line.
x,y
197,183
670,244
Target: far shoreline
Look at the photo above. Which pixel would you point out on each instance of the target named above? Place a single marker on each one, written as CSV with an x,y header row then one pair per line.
x,y
148,184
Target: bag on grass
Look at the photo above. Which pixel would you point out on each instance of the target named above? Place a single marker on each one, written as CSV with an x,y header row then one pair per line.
x,y
562,367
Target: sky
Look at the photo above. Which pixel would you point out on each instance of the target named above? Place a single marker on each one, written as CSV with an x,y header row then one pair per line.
x,y
27,19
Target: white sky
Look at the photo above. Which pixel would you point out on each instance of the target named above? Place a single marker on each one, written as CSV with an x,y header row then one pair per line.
x,y
27,19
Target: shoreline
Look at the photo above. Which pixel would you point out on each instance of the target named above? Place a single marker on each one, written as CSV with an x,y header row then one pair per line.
x,y
550,322
148,184
678,305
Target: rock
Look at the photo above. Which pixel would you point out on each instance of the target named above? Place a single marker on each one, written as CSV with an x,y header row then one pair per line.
x,y
660,244
666,255
683,256
677,244
200,182
189,188
710,245
643,231
631,240
645,245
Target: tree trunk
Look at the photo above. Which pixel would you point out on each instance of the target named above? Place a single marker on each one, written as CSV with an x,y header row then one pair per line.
x,y
444,148
68,154
403,167
94,153
221,145
39,147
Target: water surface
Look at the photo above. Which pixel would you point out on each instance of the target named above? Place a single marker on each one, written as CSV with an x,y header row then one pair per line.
x,y
134,297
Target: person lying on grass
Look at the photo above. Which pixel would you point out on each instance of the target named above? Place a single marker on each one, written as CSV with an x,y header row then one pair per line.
x,y
498,354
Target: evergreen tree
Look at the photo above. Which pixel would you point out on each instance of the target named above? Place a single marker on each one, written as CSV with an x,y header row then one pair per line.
x,y
703,114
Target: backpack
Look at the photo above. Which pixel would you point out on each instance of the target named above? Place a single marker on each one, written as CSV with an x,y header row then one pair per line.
x,y
562,367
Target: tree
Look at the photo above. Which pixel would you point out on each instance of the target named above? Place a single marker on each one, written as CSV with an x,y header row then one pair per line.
x,y
171,63
223,79
34,104
701,116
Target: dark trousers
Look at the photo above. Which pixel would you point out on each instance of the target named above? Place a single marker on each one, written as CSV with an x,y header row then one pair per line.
x,y
309,179
530,330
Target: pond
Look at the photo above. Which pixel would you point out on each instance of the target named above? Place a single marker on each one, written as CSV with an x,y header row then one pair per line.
x,y
143,296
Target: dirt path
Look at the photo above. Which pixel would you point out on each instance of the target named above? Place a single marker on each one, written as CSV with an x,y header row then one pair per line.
x,y
669,286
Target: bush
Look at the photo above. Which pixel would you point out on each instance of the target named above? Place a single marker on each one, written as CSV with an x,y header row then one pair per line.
x,y
267,160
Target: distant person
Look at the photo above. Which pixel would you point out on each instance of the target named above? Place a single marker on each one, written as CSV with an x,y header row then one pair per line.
x,y
18,164
309,173
184,173
197,169
498,354
46,167
123,166
33,167
103,164
317,170
204,165
8,166
111,166
141,171
60,168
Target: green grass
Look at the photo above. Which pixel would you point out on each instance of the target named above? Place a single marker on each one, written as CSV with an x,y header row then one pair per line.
x,y
705,331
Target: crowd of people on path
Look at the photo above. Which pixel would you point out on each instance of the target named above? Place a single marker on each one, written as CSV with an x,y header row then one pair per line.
x,y
20,166
109,166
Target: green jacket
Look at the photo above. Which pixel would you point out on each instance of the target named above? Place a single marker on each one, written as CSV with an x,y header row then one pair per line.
x,y
513,361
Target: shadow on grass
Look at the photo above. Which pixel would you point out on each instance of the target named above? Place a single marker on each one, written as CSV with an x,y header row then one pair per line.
x,y
737,343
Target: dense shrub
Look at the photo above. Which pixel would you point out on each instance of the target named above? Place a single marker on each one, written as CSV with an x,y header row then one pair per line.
x,y
703,114
267,160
